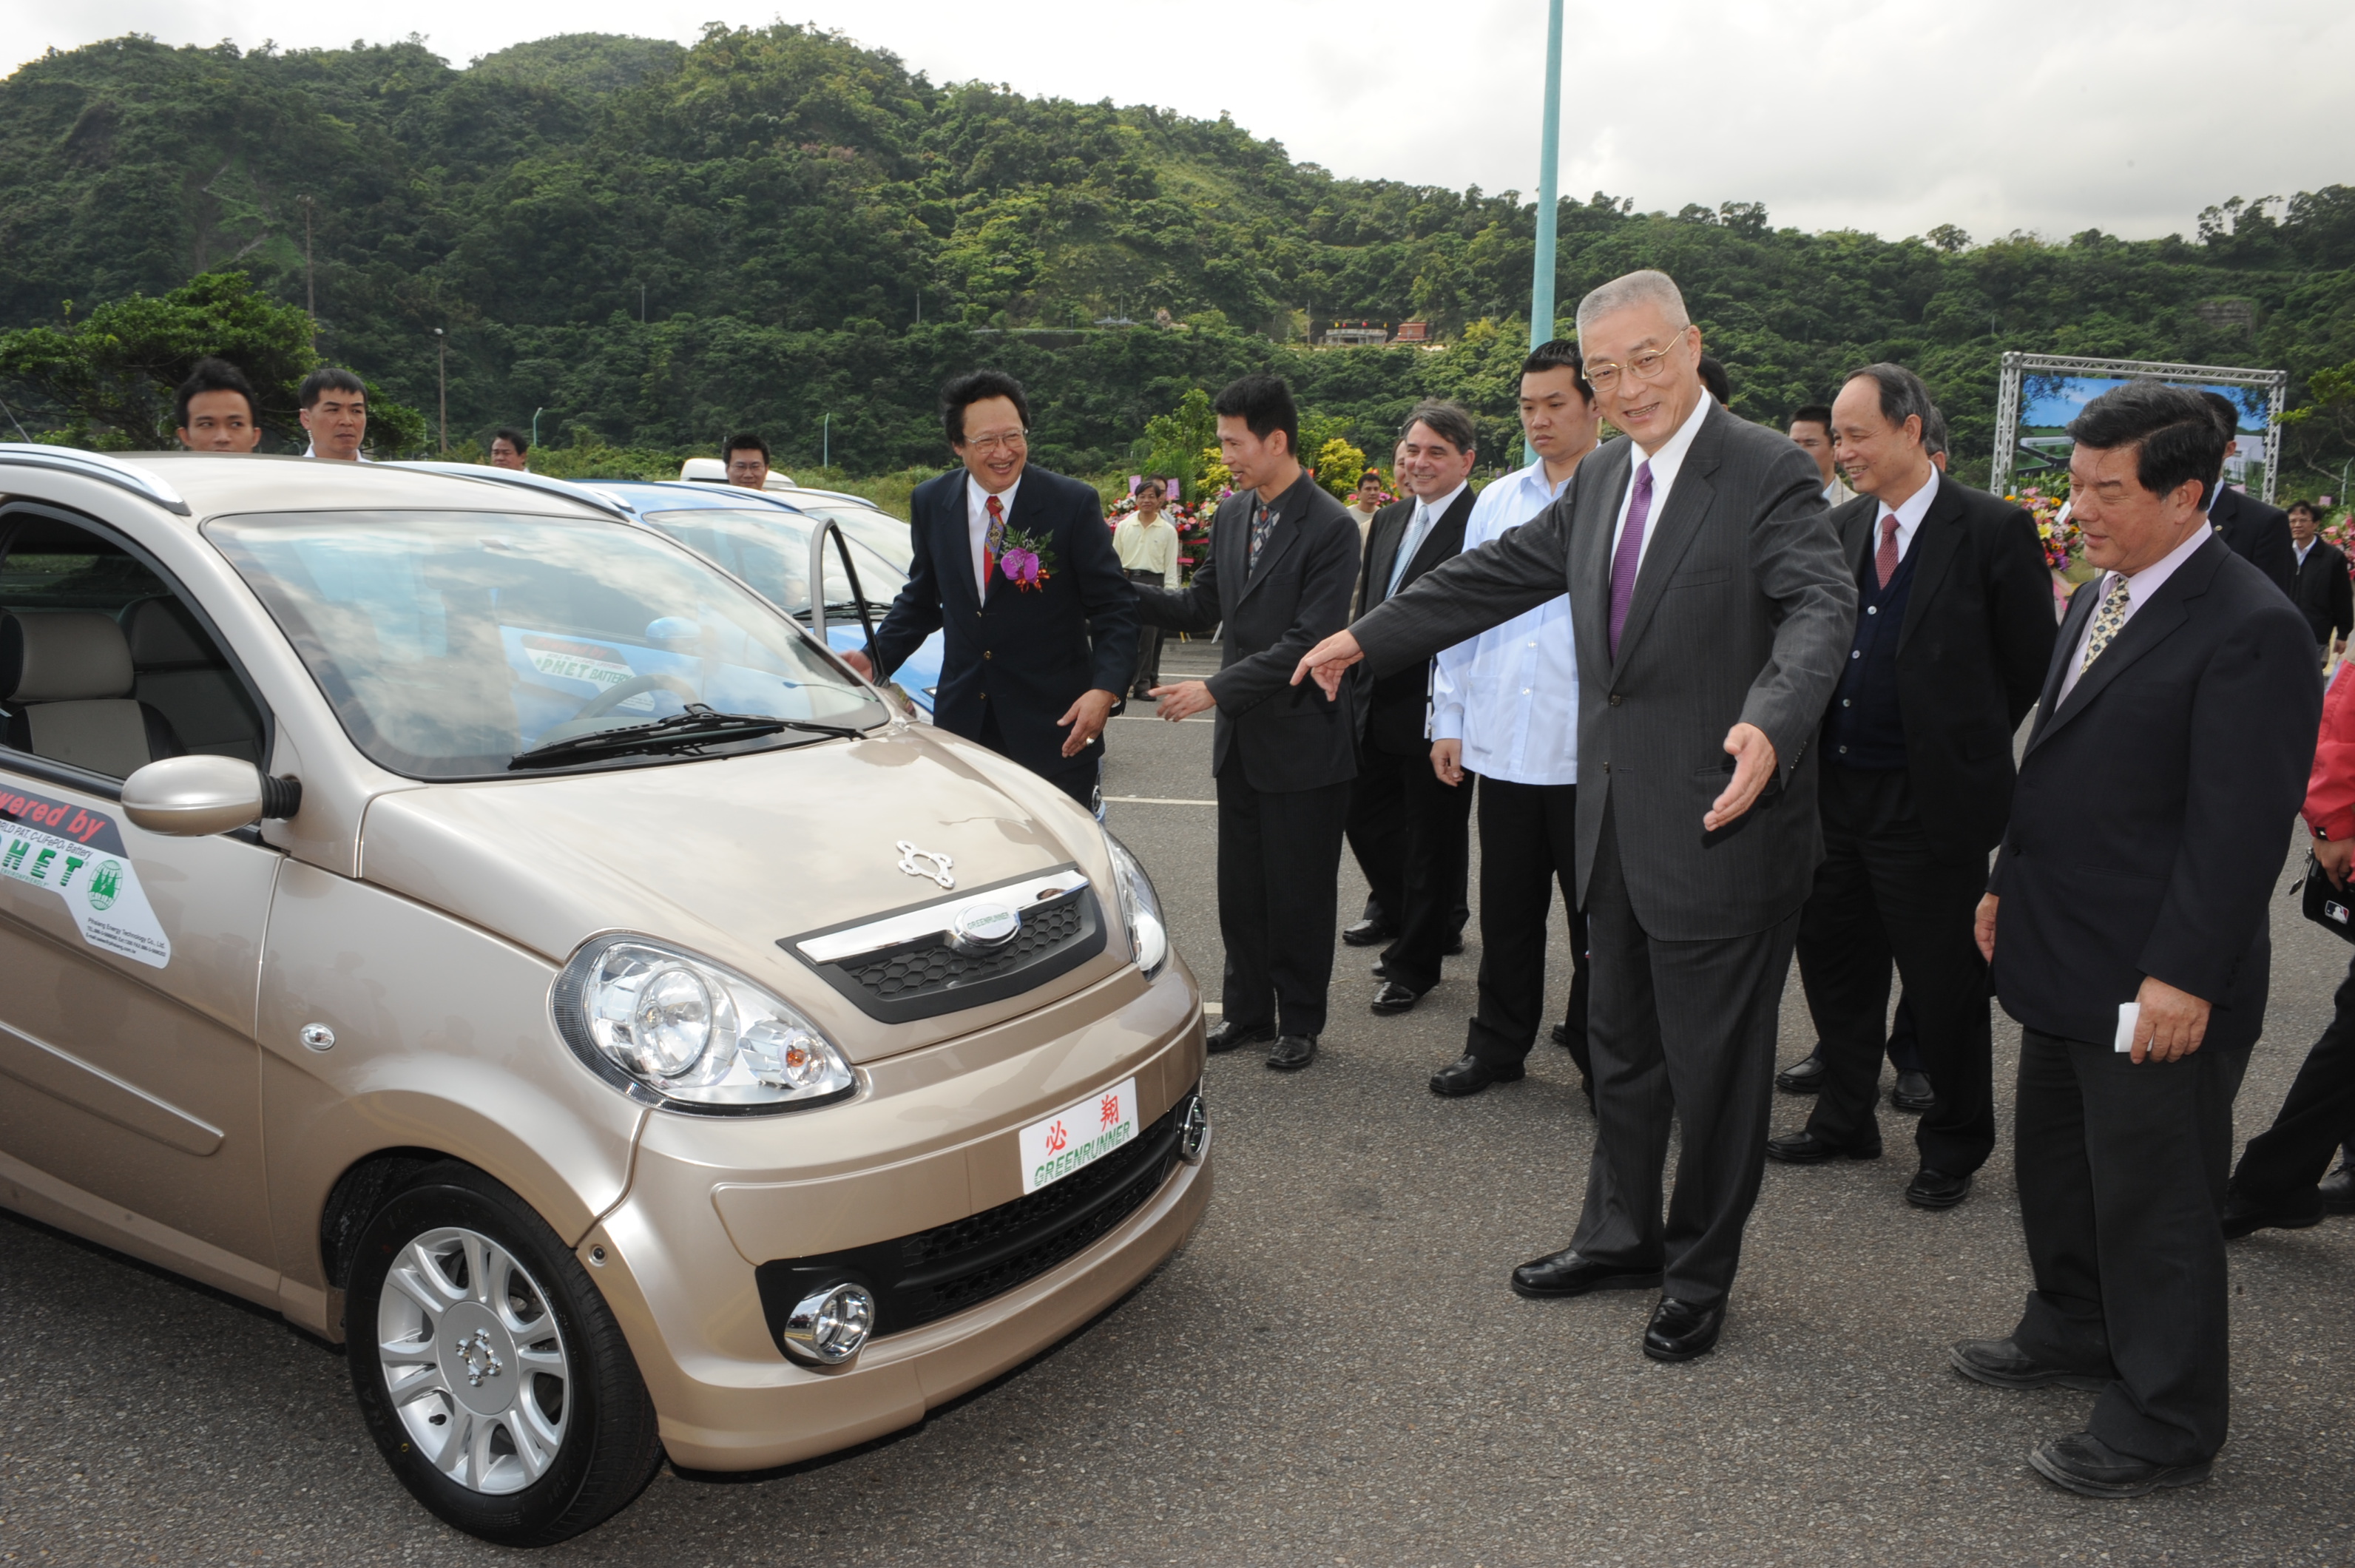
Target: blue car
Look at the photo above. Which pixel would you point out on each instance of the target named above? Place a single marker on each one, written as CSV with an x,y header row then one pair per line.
x,y
764,538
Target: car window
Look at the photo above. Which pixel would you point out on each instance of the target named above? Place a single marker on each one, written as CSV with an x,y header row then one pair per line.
x,y
880,531
450,643
769,547
102,664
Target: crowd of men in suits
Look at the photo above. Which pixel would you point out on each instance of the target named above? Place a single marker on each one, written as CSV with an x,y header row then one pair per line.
x,y
1740,696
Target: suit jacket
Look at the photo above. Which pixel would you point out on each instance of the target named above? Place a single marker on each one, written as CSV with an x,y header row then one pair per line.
x,y
1025,652
2256,532
2151,819
1290,736
2322,593
1395,704
1971,655
1741,611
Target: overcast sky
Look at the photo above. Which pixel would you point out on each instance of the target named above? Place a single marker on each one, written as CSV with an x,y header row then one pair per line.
x,y
1895,116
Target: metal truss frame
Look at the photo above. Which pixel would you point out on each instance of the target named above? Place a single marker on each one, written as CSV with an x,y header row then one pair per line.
x,y
2018,367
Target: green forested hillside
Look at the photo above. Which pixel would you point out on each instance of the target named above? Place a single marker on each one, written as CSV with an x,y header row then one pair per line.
x,y
813,231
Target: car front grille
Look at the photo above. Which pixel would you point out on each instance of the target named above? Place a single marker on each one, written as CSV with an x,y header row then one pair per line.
x,y
919,1278
925,977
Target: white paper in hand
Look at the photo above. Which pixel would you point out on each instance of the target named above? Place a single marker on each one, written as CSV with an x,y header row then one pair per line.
x,y
2129,1015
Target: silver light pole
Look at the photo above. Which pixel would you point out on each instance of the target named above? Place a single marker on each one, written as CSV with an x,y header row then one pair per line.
x,y
1549,158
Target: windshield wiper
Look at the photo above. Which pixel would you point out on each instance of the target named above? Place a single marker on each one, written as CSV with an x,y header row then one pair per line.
x,y
698,726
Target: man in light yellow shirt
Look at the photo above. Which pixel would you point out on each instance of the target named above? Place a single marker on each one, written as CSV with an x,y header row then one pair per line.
x,y
1147,548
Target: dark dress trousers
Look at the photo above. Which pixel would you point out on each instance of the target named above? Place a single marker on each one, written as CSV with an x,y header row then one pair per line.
x,y
1741,612
2322,592
1411,833
1945,662
2258,533
1283,755
1014,660
2147,837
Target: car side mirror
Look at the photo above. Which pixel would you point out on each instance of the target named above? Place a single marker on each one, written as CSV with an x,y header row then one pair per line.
x,y
195,796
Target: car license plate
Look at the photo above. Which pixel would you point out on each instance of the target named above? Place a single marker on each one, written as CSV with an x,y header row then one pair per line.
x,y
1078,1136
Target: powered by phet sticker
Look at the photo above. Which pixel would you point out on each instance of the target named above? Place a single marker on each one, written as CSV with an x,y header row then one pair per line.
x,y
79,855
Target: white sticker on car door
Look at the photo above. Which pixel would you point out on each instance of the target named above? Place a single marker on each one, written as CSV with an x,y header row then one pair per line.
x,y
79,855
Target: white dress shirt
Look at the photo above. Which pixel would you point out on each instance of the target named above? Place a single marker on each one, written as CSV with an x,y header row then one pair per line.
x,y
1510,694
2142,588
1667,464
1418,529
976,522
2303,551
312,451
1909,516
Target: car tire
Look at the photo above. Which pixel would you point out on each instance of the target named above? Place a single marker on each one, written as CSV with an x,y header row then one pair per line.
x,y
488,1368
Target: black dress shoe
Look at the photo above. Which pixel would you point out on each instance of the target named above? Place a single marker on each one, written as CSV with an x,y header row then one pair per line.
x,y
1394,998
2085,1465
1679,1330
2003,1364
1911,1092
2338,1190
1225,1035
2243,1215
1560,1035
1455,948
1379,971
1806,1149
1936,1190
1567,1273
1367,933
1293,1052
1468,1074
1805,1078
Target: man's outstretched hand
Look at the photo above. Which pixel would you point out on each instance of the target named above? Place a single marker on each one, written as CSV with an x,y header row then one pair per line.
x,y
1328,661
858,661
1085,720
1182,700
1753,764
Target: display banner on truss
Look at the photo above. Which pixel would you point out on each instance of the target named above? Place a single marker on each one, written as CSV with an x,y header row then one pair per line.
x,y
2042,392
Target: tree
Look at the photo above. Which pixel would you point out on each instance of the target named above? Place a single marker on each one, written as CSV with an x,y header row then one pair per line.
x,y
1174,442
110,378
1339,466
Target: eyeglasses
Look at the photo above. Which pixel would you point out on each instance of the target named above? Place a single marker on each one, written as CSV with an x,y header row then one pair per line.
x,y
985,444
1647,365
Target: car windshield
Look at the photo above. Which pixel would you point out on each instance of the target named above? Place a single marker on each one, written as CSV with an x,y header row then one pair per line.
x,y
769,547
450,643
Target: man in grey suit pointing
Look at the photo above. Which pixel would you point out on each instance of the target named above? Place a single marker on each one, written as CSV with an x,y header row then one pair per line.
x,y
1711,608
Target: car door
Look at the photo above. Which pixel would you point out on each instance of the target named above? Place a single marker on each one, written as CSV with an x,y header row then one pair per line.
x,y
129,961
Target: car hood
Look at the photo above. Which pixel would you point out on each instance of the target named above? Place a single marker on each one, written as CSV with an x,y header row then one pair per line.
x,y
728,856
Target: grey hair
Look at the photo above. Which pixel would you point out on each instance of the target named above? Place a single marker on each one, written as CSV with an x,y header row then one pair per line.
x,y
1647,287
1903,395
1933,433
1450,421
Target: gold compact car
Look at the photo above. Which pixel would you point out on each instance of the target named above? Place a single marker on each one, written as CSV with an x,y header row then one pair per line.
x,y
477,927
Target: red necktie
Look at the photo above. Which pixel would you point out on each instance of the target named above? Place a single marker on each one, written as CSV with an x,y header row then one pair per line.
x,y
1884,560
993,540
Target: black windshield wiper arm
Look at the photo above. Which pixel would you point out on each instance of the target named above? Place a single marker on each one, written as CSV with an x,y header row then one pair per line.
x,y
699,725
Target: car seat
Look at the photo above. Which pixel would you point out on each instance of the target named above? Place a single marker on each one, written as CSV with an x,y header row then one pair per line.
x,y
69,685
181,674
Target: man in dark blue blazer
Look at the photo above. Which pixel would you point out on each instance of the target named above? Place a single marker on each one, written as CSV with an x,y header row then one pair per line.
x,y
2169,750
2256,532
1015,565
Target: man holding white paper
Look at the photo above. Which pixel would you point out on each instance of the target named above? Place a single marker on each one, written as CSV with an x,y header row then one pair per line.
x,y
2128,902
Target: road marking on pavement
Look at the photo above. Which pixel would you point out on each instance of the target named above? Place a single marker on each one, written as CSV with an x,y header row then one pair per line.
x,y
1153,800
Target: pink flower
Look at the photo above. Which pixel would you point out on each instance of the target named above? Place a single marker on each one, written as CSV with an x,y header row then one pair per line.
x,y
1021,567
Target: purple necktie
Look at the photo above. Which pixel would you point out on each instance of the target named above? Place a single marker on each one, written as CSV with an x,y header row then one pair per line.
x,y
1630,552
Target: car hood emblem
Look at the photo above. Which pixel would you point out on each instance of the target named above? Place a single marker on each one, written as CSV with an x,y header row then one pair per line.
x,y
929,863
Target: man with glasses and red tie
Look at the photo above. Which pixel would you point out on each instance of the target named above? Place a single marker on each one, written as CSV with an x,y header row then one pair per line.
x,y
1711,610
1015,565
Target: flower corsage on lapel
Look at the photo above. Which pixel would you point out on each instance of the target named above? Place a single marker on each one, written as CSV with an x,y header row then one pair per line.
x,y
1026,559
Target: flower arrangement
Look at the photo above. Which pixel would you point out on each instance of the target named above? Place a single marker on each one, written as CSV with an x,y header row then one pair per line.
x,y
2054,531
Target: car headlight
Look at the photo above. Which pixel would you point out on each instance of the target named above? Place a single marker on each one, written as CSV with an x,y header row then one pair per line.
x,y
681,1033
1140,909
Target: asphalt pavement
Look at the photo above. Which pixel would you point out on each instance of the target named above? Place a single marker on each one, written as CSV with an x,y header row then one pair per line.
x,y
1331,1371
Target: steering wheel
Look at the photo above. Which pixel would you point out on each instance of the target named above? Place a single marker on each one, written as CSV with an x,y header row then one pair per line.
x,y
605,702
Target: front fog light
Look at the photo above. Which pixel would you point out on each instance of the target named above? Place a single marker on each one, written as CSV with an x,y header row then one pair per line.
x,y
1194,1129
827,1327
678,1032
